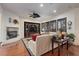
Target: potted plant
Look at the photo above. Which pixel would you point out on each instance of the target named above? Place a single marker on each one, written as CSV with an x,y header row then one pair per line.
x,y
71,36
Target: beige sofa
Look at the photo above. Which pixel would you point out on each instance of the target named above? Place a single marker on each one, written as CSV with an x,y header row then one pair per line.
x,y
42,44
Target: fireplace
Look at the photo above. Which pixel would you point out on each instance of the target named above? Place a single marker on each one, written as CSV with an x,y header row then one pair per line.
x,y
12,32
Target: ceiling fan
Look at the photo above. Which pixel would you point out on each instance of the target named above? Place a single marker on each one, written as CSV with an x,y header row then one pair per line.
x,y
34,15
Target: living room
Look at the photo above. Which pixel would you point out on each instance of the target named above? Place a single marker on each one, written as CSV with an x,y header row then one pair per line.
x,y
21,21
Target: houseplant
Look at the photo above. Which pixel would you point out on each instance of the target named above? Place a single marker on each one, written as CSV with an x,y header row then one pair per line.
x,y
71,36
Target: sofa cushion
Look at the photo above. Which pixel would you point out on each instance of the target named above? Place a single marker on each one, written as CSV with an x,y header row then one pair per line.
x,y
34,37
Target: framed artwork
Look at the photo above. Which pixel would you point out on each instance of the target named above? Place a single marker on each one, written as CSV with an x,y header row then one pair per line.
x,y
52,26
61,24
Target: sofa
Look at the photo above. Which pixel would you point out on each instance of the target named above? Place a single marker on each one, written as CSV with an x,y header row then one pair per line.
x,y
42,44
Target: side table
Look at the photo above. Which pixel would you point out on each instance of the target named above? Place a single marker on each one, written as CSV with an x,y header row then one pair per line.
x,y
59,42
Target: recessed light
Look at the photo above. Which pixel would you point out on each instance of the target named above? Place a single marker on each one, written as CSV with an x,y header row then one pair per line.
x,y
54,11
41,5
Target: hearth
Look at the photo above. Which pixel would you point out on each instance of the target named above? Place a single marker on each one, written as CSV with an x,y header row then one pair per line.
x,y
12,32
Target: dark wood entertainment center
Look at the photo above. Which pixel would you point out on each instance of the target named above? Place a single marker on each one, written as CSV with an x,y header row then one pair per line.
x,y
31,28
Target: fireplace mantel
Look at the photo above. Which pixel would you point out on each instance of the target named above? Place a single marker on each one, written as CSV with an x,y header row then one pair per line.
x,y
12,32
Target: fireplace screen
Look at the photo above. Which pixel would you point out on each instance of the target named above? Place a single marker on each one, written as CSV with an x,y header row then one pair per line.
x,y
12,32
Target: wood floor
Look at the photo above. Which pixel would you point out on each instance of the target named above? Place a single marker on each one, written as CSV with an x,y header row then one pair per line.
x,y
16,50
20,50
72,51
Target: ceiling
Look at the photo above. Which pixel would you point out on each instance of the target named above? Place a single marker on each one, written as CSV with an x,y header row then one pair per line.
x,y
24,9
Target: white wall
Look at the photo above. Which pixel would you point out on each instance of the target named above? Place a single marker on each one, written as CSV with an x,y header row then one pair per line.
x,y
0,21
5,23
77,26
